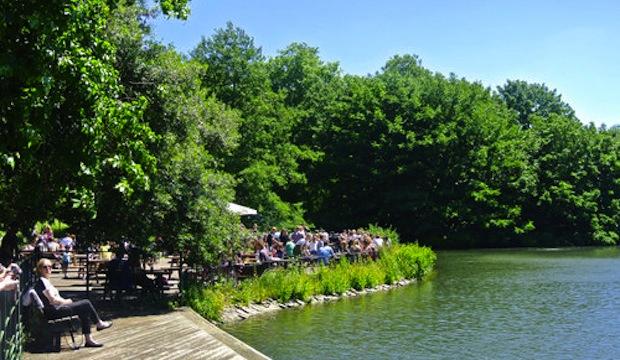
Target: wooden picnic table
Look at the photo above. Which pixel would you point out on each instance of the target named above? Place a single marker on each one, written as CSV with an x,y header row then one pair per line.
x,y
95,267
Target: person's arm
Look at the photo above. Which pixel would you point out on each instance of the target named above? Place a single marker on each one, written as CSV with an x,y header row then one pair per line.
x,y
8,284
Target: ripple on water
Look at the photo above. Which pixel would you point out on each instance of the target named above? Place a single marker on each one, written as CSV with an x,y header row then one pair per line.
x,y
560,304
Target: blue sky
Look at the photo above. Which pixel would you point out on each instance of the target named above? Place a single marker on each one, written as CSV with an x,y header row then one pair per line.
x,y
570,45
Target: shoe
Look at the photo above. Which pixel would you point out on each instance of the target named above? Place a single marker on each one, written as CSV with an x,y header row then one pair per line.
x,y
93,344
104,325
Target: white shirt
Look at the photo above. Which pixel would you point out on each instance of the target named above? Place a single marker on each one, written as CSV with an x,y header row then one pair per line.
x,y
378,241
50,291
66,242
52,246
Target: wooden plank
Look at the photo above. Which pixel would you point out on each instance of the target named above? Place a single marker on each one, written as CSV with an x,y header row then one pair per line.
x,y
173,335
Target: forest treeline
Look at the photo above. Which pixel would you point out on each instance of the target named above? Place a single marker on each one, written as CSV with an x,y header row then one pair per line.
x,y
118,135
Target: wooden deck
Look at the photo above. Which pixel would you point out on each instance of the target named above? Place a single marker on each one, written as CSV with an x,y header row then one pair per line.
x,y
144,329
178,334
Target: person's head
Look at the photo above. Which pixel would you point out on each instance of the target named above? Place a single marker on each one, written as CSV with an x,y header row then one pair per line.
x,y
44,268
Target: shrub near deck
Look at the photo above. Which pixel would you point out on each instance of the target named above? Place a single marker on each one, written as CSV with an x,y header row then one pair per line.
x,y
396,263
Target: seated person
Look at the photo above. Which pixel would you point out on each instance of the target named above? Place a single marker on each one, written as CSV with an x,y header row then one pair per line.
x,y
305,252
378,241
104,249
279,251
263,254
238,258
371,250
139,275
119,274
313,245
290,247
52,245
325,253
355,248
68,242
57,307
344,245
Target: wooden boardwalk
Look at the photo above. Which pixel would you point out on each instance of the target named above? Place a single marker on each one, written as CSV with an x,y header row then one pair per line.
x,y
178,334
143,329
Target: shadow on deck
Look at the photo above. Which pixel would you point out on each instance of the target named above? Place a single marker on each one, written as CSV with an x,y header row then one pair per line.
x,y
145,328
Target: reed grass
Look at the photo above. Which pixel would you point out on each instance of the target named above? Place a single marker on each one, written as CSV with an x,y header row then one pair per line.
x,y
296,283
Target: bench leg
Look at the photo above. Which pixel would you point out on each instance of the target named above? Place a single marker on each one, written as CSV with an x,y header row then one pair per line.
x,y
73,345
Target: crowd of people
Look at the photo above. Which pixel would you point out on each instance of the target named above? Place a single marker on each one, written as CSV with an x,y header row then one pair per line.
x,y
61,248
320,245
46,242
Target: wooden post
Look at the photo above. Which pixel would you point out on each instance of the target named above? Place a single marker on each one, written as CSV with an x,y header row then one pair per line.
x,y
86,274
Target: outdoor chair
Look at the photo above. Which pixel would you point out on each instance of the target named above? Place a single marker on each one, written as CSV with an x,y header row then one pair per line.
x,y
49,336
119,279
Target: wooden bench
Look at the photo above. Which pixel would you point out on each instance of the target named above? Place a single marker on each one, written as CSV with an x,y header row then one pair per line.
x,y
50,335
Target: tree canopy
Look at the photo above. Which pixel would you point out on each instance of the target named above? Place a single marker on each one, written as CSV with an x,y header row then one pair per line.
x,y
118,135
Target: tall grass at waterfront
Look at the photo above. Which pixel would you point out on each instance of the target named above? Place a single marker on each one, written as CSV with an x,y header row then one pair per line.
x,y
299,283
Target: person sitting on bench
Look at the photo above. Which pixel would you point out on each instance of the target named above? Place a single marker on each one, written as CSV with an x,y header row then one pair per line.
x,y
57,307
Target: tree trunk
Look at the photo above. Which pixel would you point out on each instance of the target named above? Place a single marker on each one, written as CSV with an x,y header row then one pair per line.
x,y
9,246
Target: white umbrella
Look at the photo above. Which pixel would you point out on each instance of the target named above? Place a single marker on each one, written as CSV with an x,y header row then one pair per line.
x,y
240,209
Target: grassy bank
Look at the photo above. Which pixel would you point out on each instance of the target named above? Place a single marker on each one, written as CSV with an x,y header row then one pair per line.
x,y
297,283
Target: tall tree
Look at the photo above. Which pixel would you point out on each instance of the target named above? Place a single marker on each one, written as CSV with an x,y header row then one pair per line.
x,y
266,161
532,99
234,65
186,206
63,123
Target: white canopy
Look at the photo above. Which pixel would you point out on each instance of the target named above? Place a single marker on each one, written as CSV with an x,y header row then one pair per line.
x,y
241,210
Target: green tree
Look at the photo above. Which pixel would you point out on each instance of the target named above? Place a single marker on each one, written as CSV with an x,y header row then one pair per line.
x,y
309,87
234,65
532,99
437,157
577,170
266,161
64,125
186,205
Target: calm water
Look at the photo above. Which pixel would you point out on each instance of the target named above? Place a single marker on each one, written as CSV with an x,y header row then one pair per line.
x,y
519,304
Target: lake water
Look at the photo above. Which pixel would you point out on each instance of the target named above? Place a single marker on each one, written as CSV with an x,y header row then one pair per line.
x,y
497,304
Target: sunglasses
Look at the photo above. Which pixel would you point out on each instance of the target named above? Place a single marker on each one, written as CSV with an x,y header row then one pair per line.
x,y
46,266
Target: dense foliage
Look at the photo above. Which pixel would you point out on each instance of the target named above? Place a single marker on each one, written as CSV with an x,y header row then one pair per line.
x,y
299,283
117,135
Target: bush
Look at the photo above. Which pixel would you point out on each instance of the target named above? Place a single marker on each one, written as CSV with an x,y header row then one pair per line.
x,y
359,277
394,263
305,287
391,267
208,302
385,233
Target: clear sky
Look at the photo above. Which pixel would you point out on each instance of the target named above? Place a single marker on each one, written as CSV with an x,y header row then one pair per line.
x,y
570,45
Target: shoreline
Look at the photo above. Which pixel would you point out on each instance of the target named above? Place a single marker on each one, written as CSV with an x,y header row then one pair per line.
x,y
238,313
